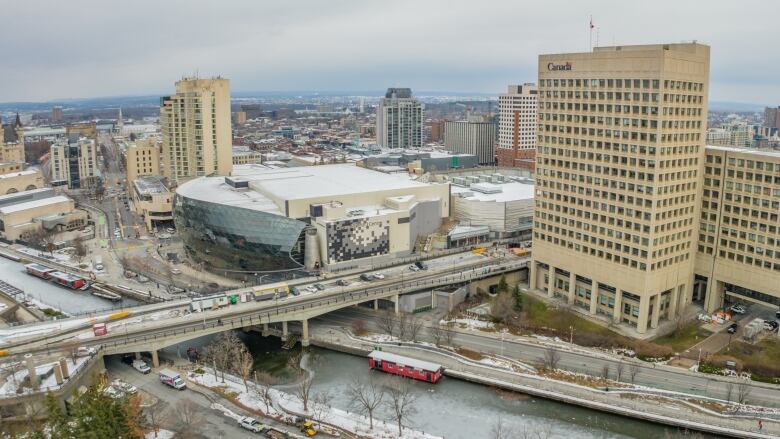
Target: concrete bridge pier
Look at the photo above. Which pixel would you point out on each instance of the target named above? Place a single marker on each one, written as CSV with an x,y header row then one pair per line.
x,y
155,358
305,332
264,332
137,355
376,304
284,331
396,301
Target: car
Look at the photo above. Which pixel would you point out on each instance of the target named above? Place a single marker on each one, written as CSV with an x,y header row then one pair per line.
x,y
414,268
733,328
342,282
251,424
113,392
175,271
379,276
421,265
771,325
83,351
738,309
141,366
294,291
170,230
124,387
320,287
367,277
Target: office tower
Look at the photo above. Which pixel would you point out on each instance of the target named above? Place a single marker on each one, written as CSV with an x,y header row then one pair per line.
x,y
738,251
399,120
772,117
516,145
56,114
12,144
196,129
74,163
477,138
619,159
142,158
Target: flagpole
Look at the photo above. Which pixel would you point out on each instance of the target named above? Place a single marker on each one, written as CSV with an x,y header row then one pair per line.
x,y
590,34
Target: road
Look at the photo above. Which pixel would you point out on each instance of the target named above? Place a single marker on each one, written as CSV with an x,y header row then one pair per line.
x,y
212,423
666,378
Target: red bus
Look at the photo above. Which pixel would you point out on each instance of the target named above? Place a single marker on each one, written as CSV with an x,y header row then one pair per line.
x,y
404,366
68,280
39,270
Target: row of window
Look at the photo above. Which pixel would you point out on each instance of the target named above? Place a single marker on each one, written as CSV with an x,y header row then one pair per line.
x,y
622,83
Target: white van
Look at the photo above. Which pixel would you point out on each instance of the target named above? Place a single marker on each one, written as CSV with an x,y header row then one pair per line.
x,y
98,263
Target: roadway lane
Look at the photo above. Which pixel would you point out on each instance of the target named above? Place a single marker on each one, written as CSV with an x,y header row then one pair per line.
x,y
666,378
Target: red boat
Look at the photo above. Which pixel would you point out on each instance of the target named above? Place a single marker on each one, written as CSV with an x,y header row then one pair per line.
x,y
404,366
68,280
39,270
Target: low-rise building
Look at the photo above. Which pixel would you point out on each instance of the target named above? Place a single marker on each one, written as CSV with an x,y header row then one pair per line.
x,y
23,214
242,155
142,158
21,181
152,201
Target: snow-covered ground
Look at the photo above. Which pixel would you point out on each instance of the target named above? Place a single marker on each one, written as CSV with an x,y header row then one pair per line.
x,y
9,334
161,434
287,402
45,372
469,323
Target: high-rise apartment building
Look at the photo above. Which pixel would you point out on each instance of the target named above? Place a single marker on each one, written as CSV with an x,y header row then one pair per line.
x,y
738,251
74,163
399,120
196,129
517,126
618,168
772,117
142,158
467,137
56,114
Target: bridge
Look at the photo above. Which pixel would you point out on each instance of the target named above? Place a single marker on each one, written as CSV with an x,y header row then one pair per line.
x,y
135,336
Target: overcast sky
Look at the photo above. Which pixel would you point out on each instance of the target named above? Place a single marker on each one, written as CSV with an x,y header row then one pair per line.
x,y
83,48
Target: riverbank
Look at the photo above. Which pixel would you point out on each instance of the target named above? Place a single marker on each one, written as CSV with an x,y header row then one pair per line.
x,y
637,404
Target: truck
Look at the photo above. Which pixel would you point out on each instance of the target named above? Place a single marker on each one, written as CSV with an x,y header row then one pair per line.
x,y
99,329
205,303
172,379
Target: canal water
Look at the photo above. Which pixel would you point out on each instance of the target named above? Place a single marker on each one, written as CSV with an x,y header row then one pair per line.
x,y
67,300
456,409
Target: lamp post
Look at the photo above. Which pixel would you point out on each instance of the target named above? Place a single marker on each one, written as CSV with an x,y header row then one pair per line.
x,y
571,334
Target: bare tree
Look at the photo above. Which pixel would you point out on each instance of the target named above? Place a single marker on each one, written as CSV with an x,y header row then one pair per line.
x,y
80,249
321,405
449,334
386,322
605,371
403,325
437,333
743,391
633,371
305,381
729,391
619,367
500,430
542,431
551,358
503,307
155,418
401,402
244,364
414,325
365,397
222,352
189,418
264,381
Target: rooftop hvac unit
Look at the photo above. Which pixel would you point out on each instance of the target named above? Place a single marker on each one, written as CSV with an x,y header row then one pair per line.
x,y
486,188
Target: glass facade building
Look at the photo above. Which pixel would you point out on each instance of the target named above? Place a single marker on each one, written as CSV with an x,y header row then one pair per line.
x,y
238,238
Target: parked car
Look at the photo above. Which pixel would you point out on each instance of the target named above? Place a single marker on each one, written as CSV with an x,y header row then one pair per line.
x,y
175,271
733,328
414,268
771,325
124,387
113,392
421,265
738,309
342,282
251,424
379,276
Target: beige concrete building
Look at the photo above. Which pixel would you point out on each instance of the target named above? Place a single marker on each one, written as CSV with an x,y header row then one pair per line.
x,y
21,181
472,137
142,158
24,213
242,155
196,129
735,133
738,256
516,125
152,201
620,153
74,163
399,120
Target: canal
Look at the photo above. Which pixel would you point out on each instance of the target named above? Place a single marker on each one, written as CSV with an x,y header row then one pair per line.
x,y
64,299
451,408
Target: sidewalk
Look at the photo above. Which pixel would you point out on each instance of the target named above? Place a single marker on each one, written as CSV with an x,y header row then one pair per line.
x,y
661,410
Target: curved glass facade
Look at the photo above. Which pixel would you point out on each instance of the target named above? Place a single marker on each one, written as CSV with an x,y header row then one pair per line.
x,y
236,238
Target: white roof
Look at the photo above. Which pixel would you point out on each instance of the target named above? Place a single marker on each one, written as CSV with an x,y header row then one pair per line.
x,y
406,361
215,190
758,152
514,191
19,173
33,204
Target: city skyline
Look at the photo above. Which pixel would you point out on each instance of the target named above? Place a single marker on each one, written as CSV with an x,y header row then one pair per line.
x,y
127,51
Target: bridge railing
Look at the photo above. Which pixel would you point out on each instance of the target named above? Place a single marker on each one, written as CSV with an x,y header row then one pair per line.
x,y
319,306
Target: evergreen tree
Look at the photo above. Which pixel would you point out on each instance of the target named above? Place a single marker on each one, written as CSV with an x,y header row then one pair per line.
x,y
57,419
502,285
518,299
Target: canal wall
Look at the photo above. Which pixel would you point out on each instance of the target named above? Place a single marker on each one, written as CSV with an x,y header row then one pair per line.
x,y
640,407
